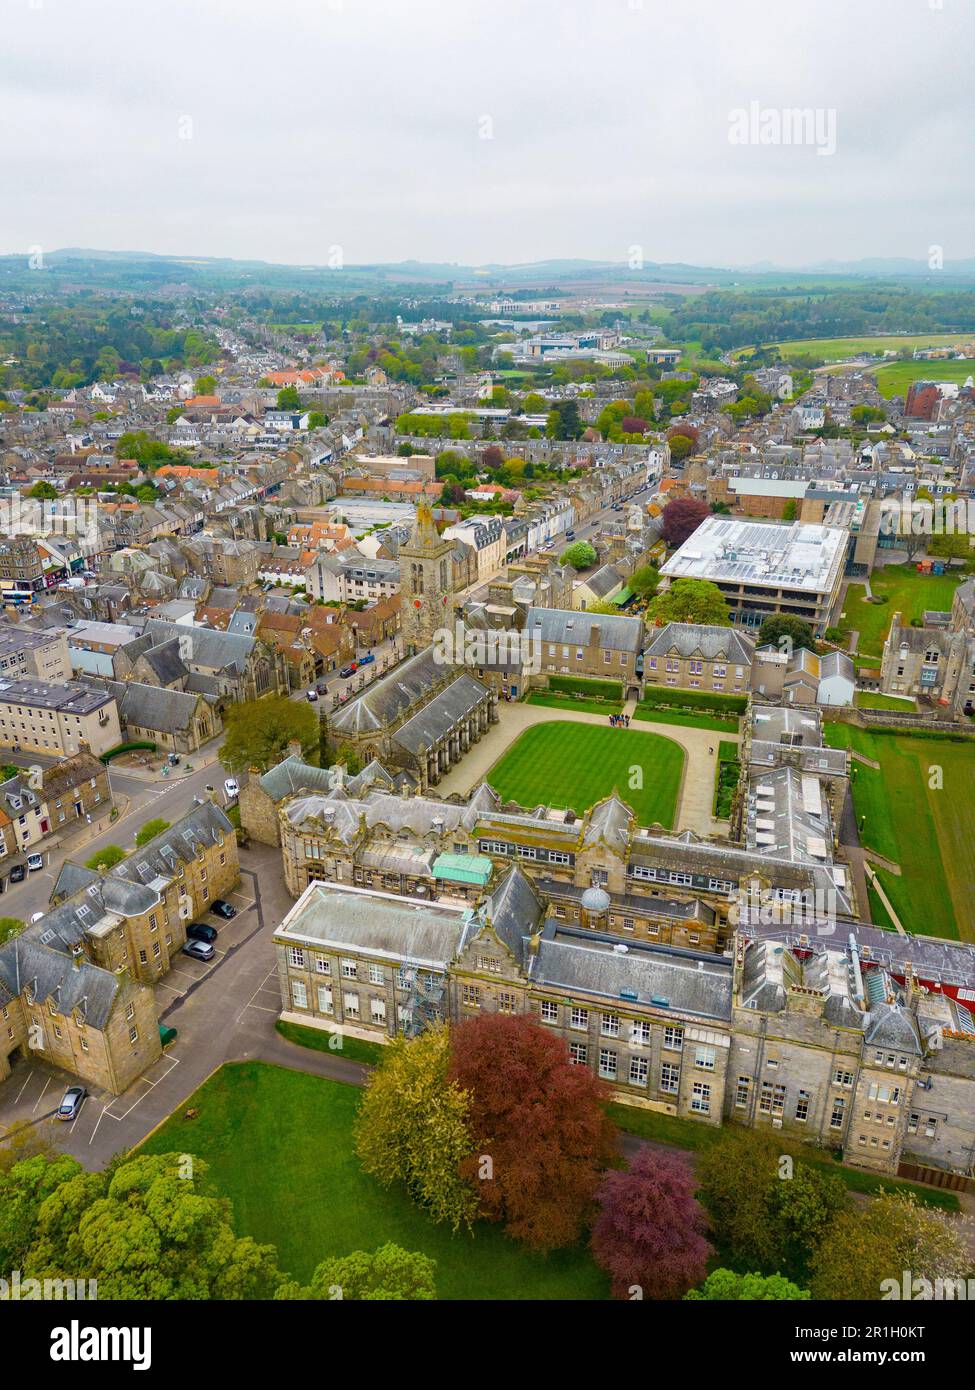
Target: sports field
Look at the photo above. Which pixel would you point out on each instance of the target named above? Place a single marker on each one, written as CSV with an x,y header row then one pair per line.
x,y
894,379
904,591
575,765
919,807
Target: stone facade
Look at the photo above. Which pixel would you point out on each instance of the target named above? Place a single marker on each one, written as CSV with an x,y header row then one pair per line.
x,y
427,582
807,1039
134,916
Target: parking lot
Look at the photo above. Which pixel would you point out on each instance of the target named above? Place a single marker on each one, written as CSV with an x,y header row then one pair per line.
x,y
223,1009
185,973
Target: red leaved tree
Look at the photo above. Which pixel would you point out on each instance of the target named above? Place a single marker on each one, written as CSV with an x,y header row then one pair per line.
x,y
688,432
650,1230
633,424
681,518
540,1132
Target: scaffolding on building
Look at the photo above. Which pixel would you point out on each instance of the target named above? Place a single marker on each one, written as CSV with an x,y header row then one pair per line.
x,y
424,1002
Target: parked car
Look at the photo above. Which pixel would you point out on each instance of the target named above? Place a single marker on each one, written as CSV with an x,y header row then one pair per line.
x,y
322,688
366,660
200,931
199,950
311,695
34,862
223,909
71,1103
18,873
173,759
231,788
348,671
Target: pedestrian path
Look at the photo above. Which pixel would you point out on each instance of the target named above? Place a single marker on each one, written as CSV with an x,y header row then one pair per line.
x,y
694,806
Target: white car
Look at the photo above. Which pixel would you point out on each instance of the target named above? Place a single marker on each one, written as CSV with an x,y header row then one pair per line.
x,y
34,862
231,788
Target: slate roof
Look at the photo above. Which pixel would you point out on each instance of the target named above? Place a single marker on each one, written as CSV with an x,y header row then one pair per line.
x,y
572,628
610,822
55,978
577,960
165,662
388,698
514,911
151,707
205,646
704,641
461,698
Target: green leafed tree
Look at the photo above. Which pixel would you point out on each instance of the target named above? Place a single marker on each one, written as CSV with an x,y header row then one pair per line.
x,y
863,1249
580,555
412,1127
150,830
784,625
109,857
288,398
258,733
690,601
389,1274
725,1286
768,1209
644,581
148,1227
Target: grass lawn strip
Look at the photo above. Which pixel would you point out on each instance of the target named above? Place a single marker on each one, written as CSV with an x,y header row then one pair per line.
x,y
576,765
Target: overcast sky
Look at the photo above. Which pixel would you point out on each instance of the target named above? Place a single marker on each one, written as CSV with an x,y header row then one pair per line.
x,y
361,124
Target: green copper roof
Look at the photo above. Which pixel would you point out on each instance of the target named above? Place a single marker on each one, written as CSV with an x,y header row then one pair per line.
x,y
463,868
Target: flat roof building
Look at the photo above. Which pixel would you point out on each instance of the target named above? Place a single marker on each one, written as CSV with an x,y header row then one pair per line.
x,y
763,568
43,717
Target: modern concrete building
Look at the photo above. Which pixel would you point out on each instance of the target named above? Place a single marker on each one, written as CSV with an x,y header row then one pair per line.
x,y
763,568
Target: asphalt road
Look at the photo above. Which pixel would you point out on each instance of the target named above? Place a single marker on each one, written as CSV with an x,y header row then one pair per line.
x,y
169,797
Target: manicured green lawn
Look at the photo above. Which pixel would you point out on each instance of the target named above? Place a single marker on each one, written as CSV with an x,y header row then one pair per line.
x,y
318,1040
713,722
906,592
575,765
555,701
872,699
922,819
279,1145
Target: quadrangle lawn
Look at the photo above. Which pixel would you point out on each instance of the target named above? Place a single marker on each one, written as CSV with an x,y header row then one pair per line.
x,y
906,592
926,828
565,764
279,1144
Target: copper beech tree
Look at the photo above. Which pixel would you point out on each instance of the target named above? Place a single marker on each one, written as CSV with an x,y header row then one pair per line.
x,y
541,1136
649,1234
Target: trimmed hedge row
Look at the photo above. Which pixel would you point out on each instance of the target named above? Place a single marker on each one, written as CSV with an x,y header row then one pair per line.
x,y
127,748
662,695
581,685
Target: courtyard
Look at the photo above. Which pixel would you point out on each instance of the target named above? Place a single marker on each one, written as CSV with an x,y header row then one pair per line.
x,y
561,764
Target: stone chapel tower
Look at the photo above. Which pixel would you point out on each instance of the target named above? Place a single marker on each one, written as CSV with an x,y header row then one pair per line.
x,y
426,582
